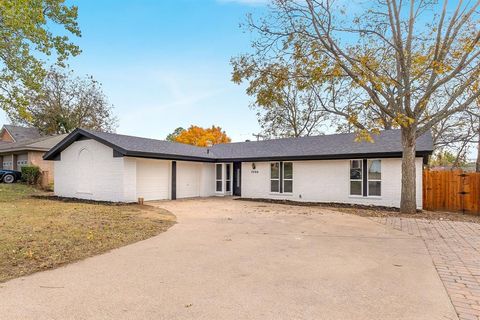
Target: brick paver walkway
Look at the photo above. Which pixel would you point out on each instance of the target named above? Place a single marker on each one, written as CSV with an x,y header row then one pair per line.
x,y
455,250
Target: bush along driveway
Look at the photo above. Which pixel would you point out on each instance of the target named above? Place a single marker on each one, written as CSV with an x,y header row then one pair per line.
x,y
43,233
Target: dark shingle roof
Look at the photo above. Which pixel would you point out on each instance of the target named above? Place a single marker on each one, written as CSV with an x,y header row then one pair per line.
x,y
44,143
145,145
387,143
22,134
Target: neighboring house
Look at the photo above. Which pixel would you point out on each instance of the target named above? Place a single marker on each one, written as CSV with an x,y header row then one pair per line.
x,y
20,146
331,168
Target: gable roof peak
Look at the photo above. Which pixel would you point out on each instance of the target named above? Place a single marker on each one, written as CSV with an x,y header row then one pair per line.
x,y
22,134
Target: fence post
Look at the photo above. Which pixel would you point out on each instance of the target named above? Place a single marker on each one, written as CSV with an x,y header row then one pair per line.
x,y
45,179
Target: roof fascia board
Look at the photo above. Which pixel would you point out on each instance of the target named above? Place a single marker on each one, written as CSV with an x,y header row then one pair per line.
x,y
279,158
163,156
324,157
74,136
23,149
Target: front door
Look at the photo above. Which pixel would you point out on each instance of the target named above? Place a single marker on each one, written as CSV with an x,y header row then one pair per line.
x,y
237,179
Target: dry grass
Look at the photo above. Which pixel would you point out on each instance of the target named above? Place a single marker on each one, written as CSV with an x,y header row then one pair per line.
x,y
40,233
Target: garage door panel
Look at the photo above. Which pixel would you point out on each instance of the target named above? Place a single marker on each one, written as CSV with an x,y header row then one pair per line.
x,y
153,179
188,179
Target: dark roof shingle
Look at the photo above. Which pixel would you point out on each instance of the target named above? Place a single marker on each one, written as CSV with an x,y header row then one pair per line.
x,y
146,145
22,134
320,147
43,143
388,141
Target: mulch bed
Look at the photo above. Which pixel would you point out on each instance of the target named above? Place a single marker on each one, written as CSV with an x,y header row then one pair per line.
x,y
376,211
76,200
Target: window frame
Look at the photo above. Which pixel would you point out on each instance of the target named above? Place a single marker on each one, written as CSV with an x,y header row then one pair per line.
x,y
286,179
275,179
350,178
373,180
228,177
219,179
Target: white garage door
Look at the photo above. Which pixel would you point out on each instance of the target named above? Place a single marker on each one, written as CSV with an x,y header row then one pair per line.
x,y
188,179
152,179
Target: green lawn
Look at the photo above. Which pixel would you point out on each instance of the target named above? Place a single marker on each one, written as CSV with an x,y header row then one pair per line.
x,y
40,233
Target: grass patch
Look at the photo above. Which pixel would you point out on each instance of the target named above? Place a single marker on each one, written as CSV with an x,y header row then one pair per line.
x,y
16,191
41,233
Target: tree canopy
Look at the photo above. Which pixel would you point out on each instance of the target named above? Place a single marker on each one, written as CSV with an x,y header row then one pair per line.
x,y
27,42
203,137
172,136
64,103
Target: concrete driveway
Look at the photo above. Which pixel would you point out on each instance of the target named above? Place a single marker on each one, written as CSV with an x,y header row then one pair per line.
x,y
229,259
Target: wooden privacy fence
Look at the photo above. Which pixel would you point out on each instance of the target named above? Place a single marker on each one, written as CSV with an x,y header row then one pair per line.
x,y
455,191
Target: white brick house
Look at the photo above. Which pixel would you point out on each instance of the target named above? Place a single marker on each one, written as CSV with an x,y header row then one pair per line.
x,y
331,168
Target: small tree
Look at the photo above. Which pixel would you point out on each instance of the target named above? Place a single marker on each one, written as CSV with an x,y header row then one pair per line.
x,y
201,137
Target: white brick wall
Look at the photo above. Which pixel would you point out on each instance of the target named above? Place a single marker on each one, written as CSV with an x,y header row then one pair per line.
x,y
327,181
130,179
97,175
125,179
102,179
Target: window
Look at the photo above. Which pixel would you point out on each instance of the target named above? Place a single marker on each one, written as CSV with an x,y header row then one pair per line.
x,y
281,177
356,176
227,177
288,177
218,177
21,163
374,177
275,177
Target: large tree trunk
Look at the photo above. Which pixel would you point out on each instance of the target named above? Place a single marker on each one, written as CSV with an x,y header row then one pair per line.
x,y
477,167
408,202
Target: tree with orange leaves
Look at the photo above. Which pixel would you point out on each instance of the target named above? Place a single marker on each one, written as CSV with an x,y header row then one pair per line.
x,y
202,137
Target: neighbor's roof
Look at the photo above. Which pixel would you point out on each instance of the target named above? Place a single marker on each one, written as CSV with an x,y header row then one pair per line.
x,y
44,143
336,146
22,134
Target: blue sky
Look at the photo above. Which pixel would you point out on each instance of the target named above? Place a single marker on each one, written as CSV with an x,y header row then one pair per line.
x,y
165,64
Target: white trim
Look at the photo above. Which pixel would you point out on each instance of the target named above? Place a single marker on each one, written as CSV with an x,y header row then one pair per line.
x,y
228,182
271,179
221,178
374,180
283,178
350,179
